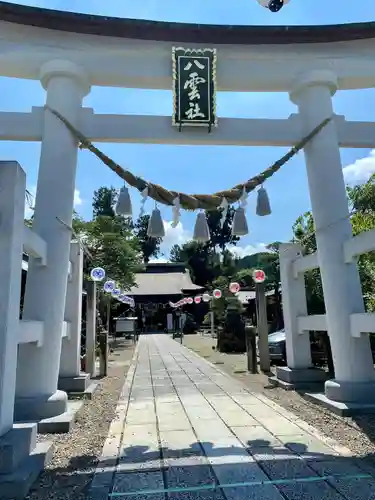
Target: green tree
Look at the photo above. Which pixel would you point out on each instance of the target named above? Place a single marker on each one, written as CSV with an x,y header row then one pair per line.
x,y
149,247
199,258
104,200
304,234
221,237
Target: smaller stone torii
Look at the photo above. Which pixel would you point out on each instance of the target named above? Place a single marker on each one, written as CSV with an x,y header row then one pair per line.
x,y
311,64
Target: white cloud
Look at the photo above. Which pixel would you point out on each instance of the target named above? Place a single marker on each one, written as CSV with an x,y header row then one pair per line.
x,y
361,170
77,198
30,202
241,252
179,235
175,235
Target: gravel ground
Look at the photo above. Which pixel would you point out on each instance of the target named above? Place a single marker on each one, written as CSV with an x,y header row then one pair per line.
x,y
76,454
357,433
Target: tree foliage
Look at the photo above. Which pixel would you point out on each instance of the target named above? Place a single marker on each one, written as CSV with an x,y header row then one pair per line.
x,y
109,239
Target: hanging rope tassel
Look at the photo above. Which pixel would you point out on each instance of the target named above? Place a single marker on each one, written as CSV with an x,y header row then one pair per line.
x,y
155,225
239,226
263,203
201,229
124,203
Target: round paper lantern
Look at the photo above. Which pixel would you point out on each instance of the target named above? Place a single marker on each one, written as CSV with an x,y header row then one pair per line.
x,y
206,297
217,294
97,274
234,287
116,292
189,300
197,299
109,286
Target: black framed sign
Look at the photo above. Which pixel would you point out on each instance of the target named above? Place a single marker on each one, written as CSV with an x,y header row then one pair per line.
x,y
194,87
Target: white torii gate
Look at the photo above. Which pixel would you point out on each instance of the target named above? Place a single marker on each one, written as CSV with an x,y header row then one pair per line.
x,y
137,54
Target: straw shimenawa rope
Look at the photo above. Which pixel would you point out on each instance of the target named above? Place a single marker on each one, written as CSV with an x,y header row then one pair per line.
x,y
188,201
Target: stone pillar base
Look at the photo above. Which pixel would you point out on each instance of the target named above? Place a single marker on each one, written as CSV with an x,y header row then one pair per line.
x,y
301,378
22,459
40,407
350,392
74,384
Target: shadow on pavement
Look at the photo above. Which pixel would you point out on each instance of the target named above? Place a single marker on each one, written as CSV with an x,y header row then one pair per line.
x,y
269,472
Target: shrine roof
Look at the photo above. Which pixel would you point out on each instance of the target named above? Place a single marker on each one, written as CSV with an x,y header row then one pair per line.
x,y
182,32
154,282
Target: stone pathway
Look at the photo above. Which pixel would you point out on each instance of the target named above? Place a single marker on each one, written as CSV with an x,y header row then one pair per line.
x,y
185,430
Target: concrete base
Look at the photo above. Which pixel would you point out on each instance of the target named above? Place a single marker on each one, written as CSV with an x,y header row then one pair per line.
x,y
342,409
350,392
36,408
21,460
61,423
87,394
74,384
299,379
275,382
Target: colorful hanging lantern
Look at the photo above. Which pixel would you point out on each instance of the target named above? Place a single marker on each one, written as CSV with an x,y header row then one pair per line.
x,y
217,294
109,286
234,287
97,274
206,297
116,292
198,299
189,300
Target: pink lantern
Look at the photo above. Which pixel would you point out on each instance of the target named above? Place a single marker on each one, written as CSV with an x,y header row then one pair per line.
x,y
190,300
197,299
234,287
217,294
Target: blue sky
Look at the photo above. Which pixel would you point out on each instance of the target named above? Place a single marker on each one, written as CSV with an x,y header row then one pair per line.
x,y
201,169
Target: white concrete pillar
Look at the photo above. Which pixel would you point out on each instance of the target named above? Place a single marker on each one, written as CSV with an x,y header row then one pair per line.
x,y
354,371
298,350
12,210
70,361
91,329
38,368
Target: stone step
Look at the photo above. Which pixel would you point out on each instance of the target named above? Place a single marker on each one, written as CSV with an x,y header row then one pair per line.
x,y
16,485
16,445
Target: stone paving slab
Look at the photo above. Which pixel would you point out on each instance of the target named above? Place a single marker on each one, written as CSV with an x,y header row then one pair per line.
x,y
182,423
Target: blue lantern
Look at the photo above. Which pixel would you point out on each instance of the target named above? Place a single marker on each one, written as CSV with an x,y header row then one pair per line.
x,y
109,286
97,274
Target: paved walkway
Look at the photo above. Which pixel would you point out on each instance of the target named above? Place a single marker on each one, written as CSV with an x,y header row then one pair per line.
x,y
184,430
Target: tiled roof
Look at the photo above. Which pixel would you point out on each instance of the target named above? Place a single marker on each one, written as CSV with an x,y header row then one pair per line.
x,y
163,284
182,32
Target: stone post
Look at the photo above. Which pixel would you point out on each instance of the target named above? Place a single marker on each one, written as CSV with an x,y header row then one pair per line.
x,y
91,328
298,349
354,370
70,378
12,210
38,367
